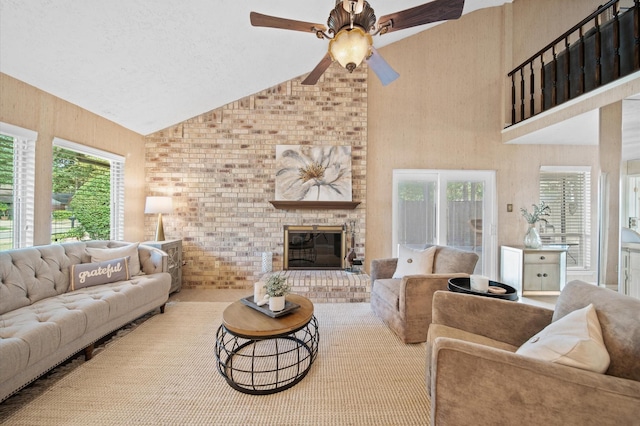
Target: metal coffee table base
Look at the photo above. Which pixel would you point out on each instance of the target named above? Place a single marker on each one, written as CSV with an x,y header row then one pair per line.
x,y
261,366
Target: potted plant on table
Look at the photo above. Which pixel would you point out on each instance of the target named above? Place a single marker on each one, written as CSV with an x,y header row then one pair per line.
x,y
277,288
532,237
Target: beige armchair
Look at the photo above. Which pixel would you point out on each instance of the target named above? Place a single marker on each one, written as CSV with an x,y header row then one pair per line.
x,y
404,304
474,375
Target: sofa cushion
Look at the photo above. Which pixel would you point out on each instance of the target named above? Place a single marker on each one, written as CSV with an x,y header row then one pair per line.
x,y
574,340
13,287
131,250
25,278
109,271
414,262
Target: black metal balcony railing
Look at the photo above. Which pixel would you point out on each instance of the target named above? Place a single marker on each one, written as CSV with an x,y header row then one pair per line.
x,y
603,47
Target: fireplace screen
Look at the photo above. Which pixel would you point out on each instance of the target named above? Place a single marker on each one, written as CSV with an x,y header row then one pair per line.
x,y
314,247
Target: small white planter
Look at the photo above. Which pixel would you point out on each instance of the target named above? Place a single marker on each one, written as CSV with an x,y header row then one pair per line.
x,y
276,303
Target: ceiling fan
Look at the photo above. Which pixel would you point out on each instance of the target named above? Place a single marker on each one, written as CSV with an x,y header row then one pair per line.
x,y
351,27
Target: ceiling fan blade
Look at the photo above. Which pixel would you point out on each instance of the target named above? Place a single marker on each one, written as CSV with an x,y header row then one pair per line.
x,y
383,70
438,10
314,75
260,20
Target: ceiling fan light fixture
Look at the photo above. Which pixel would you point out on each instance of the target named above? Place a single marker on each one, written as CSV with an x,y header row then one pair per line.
x,y
353,6
350,47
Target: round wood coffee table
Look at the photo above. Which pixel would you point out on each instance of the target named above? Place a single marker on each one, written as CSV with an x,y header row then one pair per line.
x,y
261,355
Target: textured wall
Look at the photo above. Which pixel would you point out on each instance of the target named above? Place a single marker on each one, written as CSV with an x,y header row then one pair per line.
x,y
446,112
219,168
30,108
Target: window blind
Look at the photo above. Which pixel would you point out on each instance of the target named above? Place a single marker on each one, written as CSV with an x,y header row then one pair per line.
x,y
117,200
24,164
567,195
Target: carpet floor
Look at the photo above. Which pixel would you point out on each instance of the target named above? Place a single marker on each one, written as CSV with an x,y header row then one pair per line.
x,y
164,372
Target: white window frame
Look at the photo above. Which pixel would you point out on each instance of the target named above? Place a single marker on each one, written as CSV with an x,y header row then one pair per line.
x,y
441,177
117,182
24,166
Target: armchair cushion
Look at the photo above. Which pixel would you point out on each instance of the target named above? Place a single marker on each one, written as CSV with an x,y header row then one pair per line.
x,y
414,262
454,333
574,340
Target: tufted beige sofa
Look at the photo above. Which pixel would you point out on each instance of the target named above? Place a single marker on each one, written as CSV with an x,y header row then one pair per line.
x,y
42,323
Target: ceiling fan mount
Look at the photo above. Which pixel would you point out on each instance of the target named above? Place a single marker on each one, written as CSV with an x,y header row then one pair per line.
x,y
340,18
350,29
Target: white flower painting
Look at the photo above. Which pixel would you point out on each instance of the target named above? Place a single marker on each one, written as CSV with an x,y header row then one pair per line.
x,y
313,173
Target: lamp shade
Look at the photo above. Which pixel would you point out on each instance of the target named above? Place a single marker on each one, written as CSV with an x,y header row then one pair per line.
x,y
158,205
350,46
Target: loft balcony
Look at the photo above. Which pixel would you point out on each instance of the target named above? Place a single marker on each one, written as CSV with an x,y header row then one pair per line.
x,y
598,51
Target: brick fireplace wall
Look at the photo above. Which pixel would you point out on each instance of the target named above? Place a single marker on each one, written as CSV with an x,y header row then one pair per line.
x,y
219,167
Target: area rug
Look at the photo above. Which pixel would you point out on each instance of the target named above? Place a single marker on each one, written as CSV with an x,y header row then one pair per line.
x,y
164,373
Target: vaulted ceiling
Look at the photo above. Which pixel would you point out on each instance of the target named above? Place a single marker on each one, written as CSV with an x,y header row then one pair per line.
x,y
149,64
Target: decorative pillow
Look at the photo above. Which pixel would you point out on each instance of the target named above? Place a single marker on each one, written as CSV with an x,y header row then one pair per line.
x,y
574,340
414,262
131,250
109,271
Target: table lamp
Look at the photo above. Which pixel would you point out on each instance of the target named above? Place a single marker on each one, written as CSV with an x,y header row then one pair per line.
x,y
159,205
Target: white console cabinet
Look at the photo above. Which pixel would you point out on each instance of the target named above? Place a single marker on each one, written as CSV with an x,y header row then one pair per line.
x,y
534,271
631,270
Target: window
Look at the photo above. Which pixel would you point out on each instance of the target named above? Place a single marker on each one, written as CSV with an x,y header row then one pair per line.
x,y
17,186
445,207
567,192
88,193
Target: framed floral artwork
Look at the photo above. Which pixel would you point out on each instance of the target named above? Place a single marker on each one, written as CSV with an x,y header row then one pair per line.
x,y
313,173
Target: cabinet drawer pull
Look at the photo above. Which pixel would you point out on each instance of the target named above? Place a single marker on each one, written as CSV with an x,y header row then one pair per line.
x,y
544,275
539,275
542,258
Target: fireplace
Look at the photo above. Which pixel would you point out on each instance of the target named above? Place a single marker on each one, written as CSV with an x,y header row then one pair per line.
x,y
314,247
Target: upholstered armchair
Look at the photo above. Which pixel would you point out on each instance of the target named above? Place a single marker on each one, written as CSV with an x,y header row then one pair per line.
x,y
404,304
478,374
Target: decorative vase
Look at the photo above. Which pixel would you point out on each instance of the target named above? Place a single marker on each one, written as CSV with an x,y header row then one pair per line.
x,y
276,303
532,238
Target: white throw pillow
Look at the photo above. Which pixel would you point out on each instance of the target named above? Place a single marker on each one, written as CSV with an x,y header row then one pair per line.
x,y
574,340
131,250
414,262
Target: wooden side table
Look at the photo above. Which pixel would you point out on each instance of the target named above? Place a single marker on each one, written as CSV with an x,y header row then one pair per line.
x,y
261,355
173,248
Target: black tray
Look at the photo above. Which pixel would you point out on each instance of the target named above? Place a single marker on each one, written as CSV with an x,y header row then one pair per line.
x,y
462,285
288,307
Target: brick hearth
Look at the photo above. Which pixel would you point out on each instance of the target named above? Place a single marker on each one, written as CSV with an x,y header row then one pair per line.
x,y
329,286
